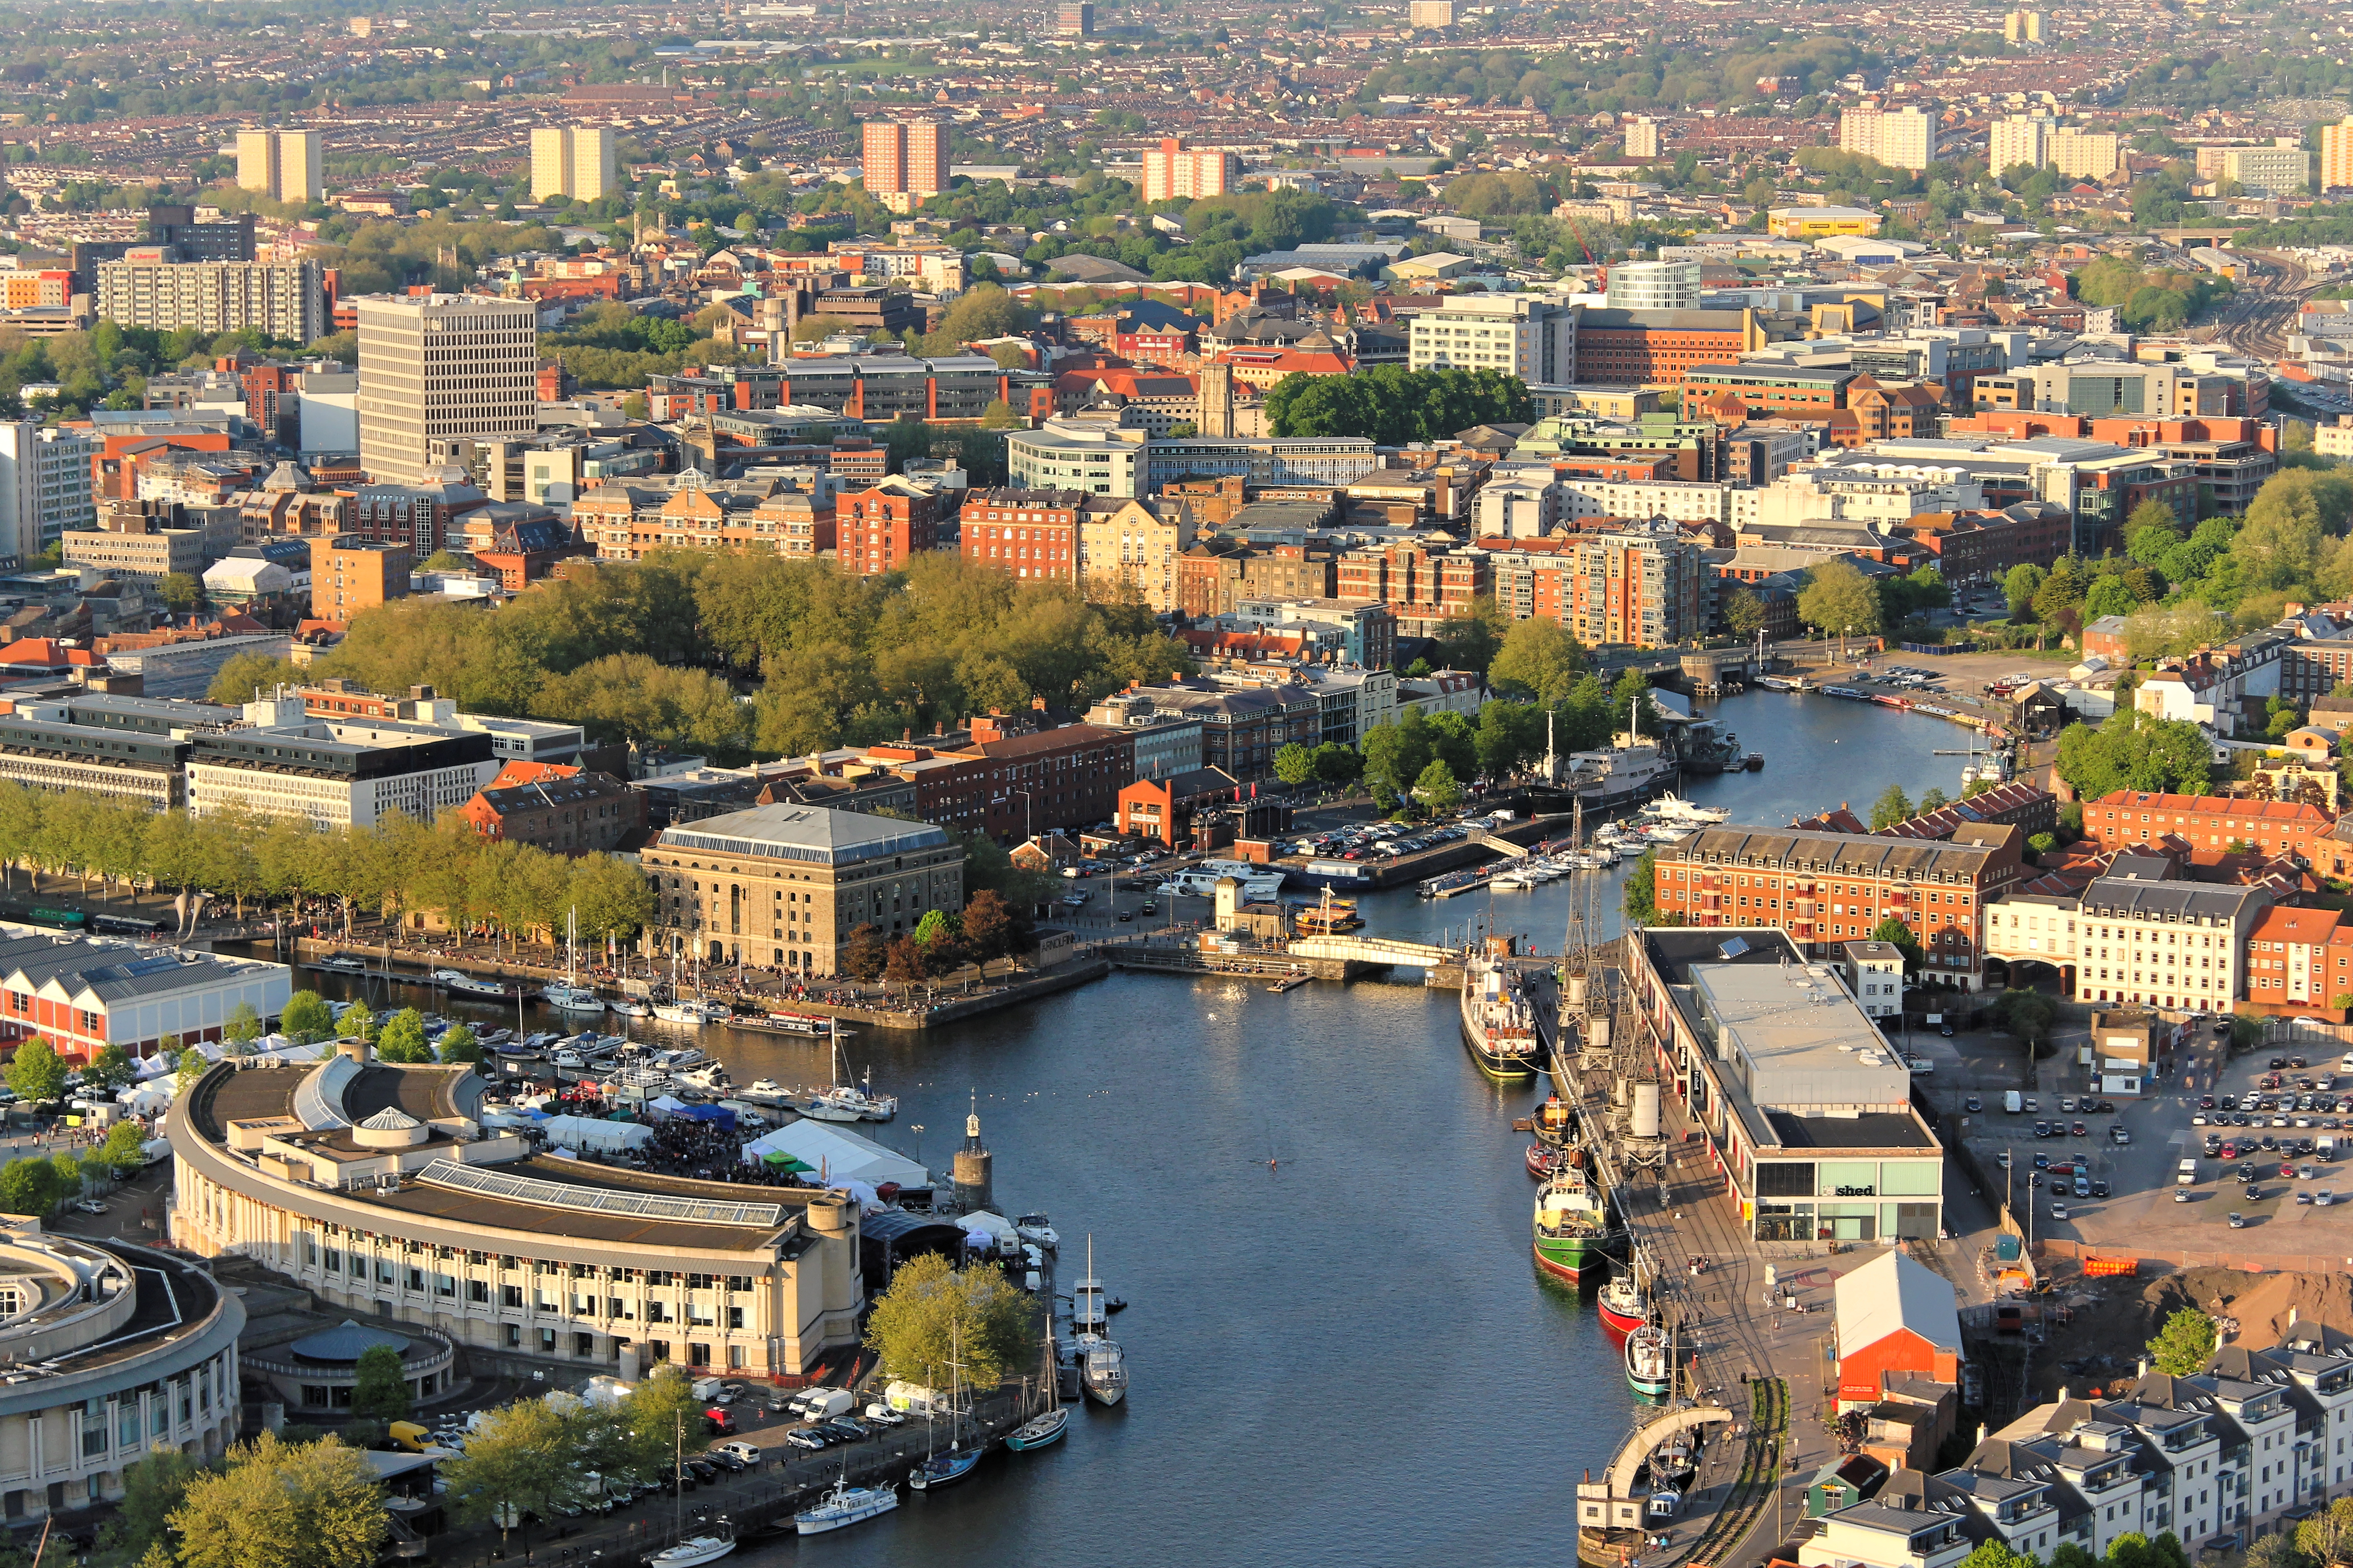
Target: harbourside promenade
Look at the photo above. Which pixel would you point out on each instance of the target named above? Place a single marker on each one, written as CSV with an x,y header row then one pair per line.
x,y
1679,1215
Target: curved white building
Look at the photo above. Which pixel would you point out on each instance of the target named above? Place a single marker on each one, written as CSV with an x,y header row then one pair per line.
x,y
376,1188
112,1351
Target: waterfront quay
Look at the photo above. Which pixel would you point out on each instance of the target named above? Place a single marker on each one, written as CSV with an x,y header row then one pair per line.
x,y
1709,1281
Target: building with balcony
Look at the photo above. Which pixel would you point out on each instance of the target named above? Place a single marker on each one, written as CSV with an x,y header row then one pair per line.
x,y
383,1189
124,1350
2135,935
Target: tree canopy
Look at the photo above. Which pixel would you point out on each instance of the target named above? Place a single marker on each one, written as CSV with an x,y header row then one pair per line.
x,y
1392,405
934,1312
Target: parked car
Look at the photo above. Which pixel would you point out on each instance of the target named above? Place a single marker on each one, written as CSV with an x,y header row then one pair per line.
x,y
2238,1220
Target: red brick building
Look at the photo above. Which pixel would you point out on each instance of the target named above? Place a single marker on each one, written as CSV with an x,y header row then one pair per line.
x,y
1824,888
1013,786
1808,393
562,810
1419,584
2207,823
876,530
1980,546
1643,348
1029,534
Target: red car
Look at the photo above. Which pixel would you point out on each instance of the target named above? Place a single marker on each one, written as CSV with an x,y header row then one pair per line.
x,y
2287,1172
2230,1150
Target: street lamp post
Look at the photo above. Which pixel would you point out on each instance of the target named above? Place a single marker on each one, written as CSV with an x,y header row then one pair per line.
x,y
917,1129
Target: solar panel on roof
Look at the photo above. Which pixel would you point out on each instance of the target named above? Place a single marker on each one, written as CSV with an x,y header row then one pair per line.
x,y
595,1200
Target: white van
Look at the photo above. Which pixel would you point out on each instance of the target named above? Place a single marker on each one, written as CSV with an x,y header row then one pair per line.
x,y
708,1387
2012,1101
749,1453
823,1404
2186,1174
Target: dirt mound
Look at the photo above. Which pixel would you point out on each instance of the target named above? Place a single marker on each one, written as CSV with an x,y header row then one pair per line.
x,y
2265,1305
2111,1322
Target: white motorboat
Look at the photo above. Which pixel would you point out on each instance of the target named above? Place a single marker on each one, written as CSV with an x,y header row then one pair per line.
x,y
686,1012
467,985
1102,1369
566,1056
1666,833
681,1058
693,1550
851,1102
710,1079
572,999
822,1107
1672,807
631,1007
1037,1230
846,1505
345,964
765,1091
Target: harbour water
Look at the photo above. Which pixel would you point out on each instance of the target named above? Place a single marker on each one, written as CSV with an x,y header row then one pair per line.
x,y
1346,1357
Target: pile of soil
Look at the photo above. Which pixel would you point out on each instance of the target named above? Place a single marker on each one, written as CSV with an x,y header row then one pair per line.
x,y
2111,1320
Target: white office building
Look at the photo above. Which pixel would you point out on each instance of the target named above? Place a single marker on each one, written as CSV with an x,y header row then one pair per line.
x,y
1515,334
44,486
439,367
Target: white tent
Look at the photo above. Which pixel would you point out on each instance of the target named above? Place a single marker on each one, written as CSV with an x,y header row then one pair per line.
x,y
148,1100
842,1156
668,1105
996,1224
586,1133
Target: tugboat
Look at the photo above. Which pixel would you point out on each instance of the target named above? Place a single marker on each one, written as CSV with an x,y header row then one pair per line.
x,y
1499,1024
1555,1124
1572,1225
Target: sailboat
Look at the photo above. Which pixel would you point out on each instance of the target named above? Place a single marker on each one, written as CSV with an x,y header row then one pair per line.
x,y
711,1544
939,1470
572,996
1102,1365
1049,1425
680,1009
850,1102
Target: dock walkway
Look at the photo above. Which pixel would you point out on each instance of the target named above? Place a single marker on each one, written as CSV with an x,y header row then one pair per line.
x,y
1681,1215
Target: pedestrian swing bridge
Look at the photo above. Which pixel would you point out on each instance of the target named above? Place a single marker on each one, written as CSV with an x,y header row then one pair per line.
x,y
1373,950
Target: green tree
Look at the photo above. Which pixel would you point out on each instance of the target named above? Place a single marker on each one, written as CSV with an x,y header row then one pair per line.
x,y
2184,1343
1395,753
659,1414
1002,416
35,1073
1336,764
1933,800
244,1025
1839,599
307,1018
1895,931
1892,807
2275,1551
29,1186
1744,613
1294,763
2019,585
179,592
1538,659
1435,788
2027,1014
1998,1553
2326,1538
402,1038
934,1312
1641,897
2131,749
459,1045
153,1490
520,1458
356,1023
124,1149
380,1385
111,1069
280,1505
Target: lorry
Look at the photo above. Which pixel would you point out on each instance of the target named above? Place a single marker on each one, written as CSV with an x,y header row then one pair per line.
x,y
708,1387
154,1151
2012,1101
2325,1147
2186,1174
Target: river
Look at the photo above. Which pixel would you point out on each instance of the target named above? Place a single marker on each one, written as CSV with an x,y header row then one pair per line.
x,y
1349,1359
